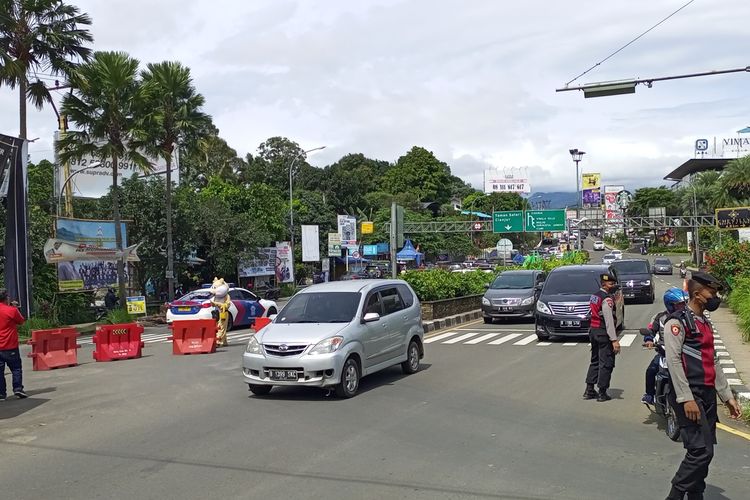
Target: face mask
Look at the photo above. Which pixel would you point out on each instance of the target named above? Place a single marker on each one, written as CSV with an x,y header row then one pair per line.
x,y
713,303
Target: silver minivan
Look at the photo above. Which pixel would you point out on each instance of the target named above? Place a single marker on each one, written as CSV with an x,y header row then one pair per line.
x,y
333,334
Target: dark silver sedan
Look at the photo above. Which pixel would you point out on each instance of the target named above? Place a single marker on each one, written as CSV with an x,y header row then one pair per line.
x,y
662,265
512,294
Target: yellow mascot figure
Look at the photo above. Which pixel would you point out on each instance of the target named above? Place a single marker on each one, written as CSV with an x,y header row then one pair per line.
x,y
220,291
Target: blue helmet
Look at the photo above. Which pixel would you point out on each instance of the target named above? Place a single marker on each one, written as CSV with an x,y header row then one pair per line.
x,y
674,296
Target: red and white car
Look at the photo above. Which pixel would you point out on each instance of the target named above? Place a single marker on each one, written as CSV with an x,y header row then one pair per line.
x,y
245,307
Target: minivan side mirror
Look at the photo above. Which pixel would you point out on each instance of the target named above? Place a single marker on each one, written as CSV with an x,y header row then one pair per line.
x,y
370,317
539,286
486,286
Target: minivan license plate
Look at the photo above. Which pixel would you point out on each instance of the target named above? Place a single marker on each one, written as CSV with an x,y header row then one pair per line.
x,y
282,374
570,324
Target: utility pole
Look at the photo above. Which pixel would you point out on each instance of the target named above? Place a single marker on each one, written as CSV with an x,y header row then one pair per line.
x,y
577,156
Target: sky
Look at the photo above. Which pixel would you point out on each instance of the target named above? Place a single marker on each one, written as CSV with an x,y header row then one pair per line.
x,y
472,81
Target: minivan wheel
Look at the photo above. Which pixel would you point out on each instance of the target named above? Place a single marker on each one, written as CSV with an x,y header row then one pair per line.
x,y
488,321
260,390
540,337
349,384
411,365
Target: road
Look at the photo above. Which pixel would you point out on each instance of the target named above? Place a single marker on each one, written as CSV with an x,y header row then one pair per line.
x,y
483,419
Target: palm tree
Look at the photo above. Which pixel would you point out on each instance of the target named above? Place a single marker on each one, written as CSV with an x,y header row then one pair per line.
x,y
174,113
39,36
107,106
734,183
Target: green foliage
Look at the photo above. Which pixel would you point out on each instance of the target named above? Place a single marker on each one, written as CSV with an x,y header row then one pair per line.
x,y
649,197
668,250
420,175
34,323
739,302
617,240
569,258
118,316
730,262
439,284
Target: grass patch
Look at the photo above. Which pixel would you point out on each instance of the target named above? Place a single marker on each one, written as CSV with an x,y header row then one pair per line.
x,y
746,412
33,323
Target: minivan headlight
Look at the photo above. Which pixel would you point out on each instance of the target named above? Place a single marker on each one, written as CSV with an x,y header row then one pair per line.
x,y
646,282
253,346
486,301
542,308
527,301
327,346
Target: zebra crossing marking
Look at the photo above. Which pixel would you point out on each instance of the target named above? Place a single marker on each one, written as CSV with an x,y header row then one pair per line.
x,y
627,339
481,339
527,340
505,339
458,339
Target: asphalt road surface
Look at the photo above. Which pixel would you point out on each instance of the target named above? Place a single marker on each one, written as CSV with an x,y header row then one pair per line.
x,y
488,416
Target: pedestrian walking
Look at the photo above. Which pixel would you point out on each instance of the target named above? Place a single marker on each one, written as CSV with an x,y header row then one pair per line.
x,y
10,319
603,337
697,378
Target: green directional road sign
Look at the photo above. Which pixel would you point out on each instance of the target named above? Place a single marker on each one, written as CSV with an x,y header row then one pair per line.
x,y
507,222
545,220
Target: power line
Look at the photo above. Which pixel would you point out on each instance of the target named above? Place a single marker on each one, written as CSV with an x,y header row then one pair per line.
x,y
630,43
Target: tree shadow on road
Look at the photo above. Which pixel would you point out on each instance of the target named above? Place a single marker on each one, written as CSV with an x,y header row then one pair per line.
x,y
14,407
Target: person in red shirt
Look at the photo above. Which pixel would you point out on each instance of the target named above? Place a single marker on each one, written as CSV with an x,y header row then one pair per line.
x,y
10,319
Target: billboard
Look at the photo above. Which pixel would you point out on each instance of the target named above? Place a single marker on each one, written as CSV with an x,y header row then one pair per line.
x,y
510,180
310,244
612,211
591,190
94,182
284,262
261,263
78,276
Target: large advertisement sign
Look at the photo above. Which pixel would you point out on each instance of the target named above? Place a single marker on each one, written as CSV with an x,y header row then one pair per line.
x,y
591,186
612,210
284,262
262,263
513,180
77,276
347,225
310,244
94,182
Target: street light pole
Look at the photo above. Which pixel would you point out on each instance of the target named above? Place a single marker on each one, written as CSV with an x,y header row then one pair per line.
x,y
577,156
291,208
696,238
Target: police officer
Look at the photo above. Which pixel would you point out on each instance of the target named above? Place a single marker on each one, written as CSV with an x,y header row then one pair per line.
x,y
603,337
697,378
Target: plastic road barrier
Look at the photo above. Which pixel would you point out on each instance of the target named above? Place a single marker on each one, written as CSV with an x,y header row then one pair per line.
x,y
121,341
55,348
197,336
260,323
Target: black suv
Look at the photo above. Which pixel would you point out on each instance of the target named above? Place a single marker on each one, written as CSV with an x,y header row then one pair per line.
x,y
563,306
636,282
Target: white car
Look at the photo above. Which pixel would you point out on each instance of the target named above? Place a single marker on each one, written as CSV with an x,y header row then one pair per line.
x,y
245,307
617,254
599,245
609,258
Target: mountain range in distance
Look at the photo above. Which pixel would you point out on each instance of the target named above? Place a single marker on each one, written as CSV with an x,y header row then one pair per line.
x,y
552,200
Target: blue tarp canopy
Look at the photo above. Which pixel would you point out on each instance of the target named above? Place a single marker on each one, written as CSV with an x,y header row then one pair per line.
x,y
409,253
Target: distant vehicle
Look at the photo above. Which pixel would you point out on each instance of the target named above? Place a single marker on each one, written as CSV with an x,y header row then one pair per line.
x,y
617,254
245,307
599,245
512,294
609,258
562,308
662,265
333,334
634,276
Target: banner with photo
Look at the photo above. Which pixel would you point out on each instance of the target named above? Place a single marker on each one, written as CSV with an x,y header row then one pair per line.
x,y
592,191
83,275
612,210
347,225
261,263
284,262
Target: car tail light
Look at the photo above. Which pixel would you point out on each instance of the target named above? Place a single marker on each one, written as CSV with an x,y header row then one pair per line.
x,y
206,305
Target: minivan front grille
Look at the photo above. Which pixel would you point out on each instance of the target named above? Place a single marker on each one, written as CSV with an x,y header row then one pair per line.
x,y
512,301
282,350
570,308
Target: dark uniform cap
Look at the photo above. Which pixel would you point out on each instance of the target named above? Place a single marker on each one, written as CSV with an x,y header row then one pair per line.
x,y
706,279
606,278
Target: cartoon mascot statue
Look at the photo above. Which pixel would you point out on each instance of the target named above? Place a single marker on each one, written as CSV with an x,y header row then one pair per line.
x,y
220,291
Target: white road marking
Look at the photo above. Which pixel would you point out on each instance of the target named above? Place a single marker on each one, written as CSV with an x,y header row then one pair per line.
x,y
734,381
544,343
722,353
482,338
440,337
726,362
720,348
570,344
458,339
527,340
627,339
729,370
718,341
505,339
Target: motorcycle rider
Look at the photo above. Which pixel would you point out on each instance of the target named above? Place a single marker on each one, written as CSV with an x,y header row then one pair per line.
x,y
675,299
697,378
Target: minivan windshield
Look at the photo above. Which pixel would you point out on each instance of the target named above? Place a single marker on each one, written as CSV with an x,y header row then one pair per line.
x,y
572,283
631,267
321,307
663,261
507,281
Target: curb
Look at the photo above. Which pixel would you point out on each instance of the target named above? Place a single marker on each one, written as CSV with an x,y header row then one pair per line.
x,y
439,324
740,390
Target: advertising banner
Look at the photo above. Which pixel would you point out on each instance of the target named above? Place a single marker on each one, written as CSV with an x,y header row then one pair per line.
x,y
368,227
310,244
347,225
284,262
591,190
136,305
262,263
369,250
612,210
87,274
94,182
513,180
57,250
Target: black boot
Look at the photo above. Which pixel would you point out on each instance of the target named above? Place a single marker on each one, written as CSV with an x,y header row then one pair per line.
x,y
589,393
694,495
675,494
603,396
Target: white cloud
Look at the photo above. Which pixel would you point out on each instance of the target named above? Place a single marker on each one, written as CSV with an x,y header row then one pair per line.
x,y
472,81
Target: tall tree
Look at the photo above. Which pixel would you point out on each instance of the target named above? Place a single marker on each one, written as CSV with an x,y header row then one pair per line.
x,y
174,113
421,175
39,36
107,106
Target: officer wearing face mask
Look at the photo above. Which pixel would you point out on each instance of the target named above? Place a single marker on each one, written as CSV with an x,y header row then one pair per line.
x,y
697,378
603,337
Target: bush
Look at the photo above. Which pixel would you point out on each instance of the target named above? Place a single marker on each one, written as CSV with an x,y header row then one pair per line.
x,y
730,262
118,316
675,249
739,302
34,323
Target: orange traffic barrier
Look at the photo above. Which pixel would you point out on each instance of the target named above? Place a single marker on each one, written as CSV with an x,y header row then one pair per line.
x,y
197,336
260,323
121,341
55,348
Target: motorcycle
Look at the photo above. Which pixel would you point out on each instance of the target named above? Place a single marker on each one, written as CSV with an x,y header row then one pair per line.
x,y
663,390
268,292
683,272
